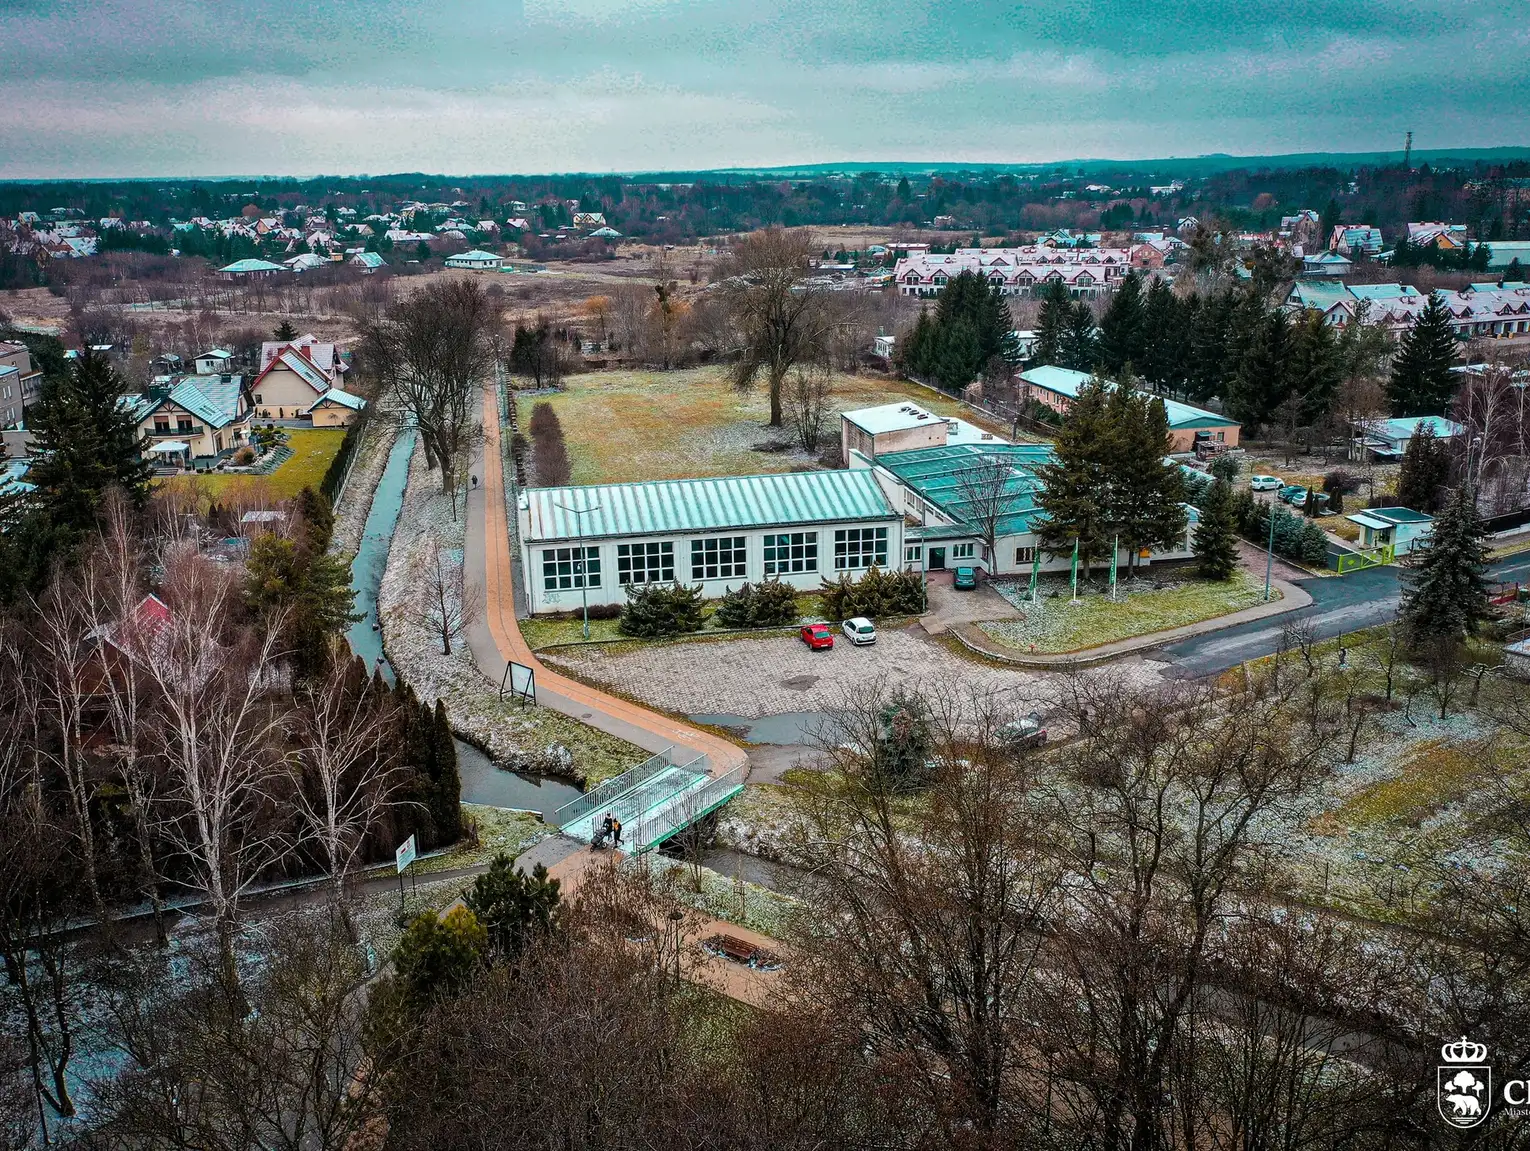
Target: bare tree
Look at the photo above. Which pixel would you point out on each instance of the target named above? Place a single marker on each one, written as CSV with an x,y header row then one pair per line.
x,y
442,609
988,491
40,882
433,352
923,922
808,402
113,582
1162,830
349,776
293,1072
218,736
629,318
783,319
65,666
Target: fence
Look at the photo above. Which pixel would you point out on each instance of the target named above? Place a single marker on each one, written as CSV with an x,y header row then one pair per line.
x,y
1359,561
607,792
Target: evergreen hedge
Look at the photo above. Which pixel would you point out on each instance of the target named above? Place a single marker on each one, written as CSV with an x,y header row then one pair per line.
x,y
875,595
656,609
1295,538
769,603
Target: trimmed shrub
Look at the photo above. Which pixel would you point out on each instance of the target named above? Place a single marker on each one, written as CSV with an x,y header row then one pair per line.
x,y
875,595
770,603
549,453
656,609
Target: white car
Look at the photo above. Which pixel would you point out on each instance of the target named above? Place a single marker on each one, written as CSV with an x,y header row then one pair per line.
x,y
859,630
1266,483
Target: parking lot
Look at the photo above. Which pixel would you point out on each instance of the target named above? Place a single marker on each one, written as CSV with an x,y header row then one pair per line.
x,y
776,675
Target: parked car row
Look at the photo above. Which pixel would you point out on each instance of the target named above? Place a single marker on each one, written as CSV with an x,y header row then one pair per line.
x,y
1293,494
820,637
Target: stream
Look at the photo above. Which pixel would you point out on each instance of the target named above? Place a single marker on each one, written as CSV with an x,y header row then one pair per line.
x,y
482,780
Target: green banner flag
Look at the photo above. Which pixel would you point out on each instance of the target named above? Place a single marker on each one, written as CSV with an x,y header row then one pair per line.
x,y
1073,575
1115,549
1035,570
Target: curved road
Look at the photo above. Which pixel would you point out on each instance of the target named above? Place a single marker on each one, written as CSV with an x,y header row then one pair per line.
x,y
1339,604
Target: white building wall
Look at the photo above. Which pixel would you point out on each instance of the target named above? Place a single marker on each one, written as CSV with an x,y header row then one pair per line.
x,y
611,591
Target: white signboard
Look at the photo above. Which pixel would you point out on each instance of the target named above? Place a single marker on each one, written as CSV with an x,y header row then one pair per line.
x,y
404,856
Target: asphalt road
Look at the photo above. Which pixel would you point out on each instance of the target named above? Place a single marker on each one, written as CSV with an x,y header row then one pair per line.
x,y
1343,604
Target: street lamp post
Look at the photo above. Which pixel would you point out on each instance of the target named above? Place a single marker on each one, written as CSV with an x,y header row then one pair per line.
x,y
580,567
1269,554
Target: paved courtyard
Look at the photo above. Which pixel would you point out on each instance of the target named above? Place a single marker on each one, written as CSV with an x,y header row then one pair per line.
x,y
777,675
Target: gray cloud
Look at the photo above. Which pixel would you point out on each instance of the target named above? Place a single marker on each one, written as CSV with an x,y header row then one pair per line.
x,y
145,87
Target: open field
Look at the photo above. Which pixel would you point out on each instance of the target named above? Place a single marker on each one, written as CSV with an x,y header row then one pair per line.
x,y
1056,625
622,426
312,451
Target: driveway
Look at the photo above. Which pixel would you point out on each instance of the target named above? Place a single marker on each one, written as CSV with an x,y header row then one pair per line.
x,y
948,606
778,675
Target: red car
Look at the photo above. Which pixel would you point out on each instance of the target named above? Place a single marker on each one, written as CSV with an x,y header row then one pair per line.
x,y
817,636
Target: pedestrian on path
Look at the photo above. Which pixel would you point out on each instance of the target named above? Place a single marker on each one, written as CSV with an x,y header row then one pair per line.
x,y
616,833
475,480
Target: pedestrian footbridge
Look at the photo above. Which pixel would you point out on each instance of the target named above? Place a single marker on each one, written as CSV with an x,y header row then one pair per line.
x,y
655,801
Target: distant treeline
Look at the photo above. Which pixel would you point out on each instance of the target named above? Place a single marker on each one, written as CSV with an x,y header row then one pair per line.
x,y
684,207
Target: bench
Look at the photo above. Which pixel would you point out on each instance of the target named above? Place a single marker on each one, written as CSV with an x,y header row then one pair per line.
x,y
741,951
734,948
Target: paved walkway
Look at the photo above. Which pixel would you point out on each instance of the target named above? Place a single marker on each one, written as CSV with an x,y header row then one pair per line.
x,y
569,862
496,639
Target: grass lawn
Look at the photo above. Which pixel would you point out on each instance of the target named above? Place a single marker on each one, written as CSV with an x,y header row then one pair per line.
x,y
1435,774
542,632
1056,625
624,426
312,450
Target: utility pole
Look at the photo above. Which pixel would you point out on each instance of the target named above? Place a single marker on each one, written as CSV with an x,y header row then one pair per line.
x,y
1408,153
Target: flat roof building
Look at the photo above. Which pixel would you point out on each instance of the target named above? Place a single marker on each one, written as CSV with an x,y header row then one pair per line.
x,y
929,486
902,427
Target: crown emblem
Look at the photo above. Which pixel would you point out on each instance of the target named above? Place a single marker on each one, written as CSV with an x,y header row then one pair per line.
x,y
1464,1051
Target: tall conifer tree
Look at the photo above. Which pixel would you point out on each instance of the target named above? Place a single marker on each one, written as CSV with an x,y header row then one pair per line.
x,y
1422,383
1447,589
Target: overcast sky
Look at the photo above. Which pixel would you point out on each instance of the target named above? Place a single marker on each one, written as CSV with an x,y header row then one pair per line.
x,y
299,87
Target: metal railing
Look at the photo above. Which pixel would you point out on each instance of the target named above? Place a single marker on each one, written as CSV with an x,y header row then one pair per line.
x,y
1359,561
670,821
607,792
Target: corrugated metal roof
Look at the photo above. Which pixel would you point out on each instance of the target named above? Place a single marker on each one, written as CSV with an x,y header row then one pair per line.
x,y
1067,382
667,507
935,474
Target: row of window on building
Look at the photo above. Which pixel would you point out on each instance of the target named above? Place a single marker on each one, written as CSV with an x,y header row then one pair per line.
x,y
713,558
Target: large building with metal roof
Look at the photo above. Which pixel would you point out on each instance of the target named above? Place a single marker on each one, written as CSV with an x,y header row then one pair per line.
x,y
945,511
590,542
1057,388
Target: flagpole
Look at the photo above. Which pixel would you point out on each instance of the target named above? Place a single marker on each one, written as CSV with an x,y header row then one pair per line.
x,y
1115,549
1074,574
1035,570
